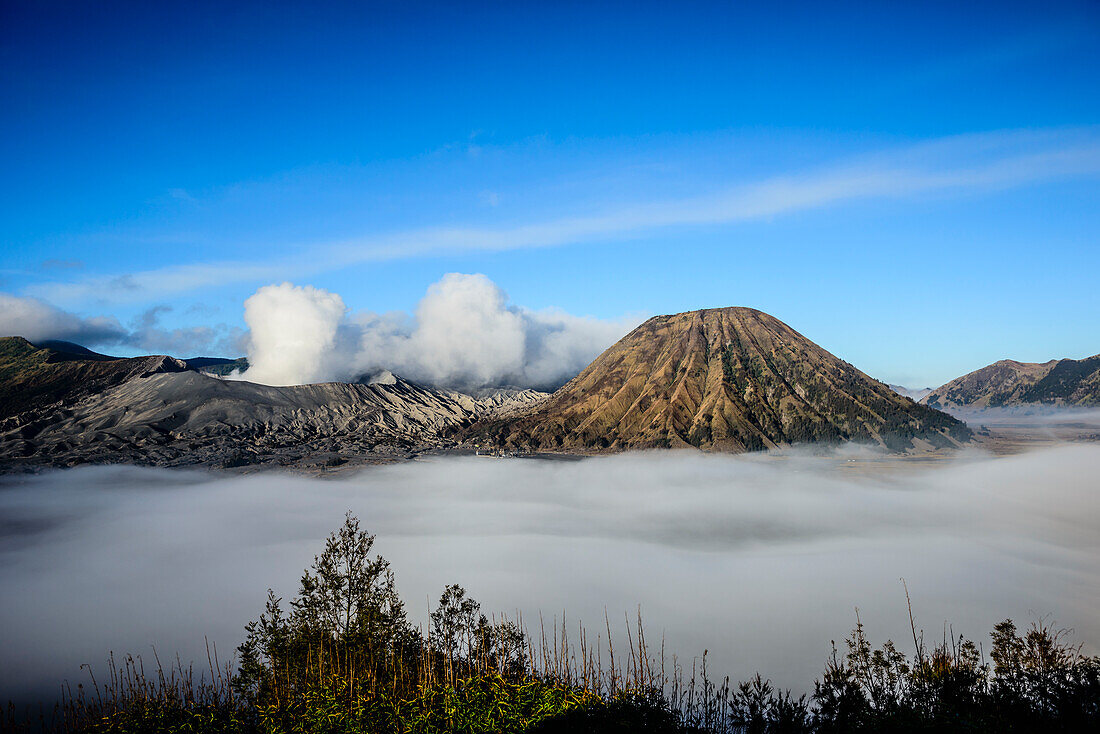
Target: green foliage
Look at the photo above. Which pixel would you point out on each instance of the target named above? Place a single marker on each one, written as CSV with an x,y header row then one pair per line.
x,y
625,713
757,707
349,596
1038,683
487,702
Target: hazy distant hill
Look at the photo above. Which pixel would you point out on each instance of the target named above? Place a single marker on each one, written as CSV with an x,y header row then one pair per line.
x,y
729,379
218,365
1064,382
911,393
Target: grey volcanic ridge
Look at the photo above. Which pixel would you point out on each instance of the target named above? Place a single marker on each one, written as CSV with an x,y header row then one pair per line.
x,y
728,380
55,411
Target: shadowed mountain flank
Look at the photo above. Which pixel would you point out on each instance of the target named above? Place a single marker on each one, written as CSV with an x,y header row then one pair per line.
x,y
35,378
729,379
1005,384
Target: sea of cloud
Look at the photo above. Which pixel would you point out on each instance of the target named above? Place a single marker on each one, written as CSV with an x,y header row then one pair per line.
x,y
760,560
1035,416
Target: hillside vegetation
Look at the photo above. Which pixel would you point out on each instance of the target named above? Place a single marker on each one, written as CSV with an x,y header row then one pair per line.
x,y
1064,382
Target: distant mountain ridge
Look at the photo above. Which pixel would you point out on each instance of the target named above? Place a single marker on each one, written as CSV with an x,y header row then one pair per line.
x,y
730,379
1008,383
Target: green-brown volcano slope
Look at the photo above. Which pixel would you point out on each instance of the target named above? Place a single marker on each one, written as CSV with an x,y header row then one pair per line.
x,y
1063,383
727,379
34,378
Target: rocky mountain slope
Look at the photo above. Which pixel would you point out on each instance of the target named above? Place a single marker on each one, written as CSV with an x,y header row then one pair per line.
x,y
729,379
61,410
1005,384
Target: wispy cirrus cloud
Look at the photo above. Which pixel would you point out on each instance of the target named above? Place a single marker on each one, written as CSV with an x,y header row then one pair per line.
x,y
959,165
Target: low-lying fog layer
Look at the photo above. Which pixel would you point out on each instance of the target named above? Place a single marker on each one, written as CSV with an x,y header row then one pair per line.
x,y
760,560
1038,416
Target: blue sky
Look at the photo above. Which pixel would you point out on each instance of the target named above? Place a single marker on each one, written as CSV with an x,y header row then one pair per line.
x,y
914,187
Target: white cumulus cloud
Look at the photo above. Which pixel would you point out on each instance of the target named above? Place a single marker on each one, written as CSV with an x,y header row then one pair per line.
x,y
464,334
293,334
